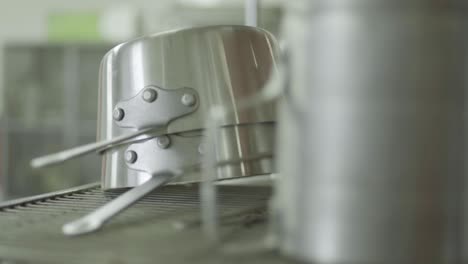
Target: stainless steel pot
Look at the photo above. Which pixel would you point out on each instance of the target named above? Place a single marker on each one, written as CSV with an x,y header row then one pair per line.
x,y
372,132
207,66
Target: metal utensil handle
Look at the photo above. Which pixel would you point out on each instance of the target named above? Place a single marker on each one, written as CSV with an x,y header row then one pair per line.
x,y
96,219
72,153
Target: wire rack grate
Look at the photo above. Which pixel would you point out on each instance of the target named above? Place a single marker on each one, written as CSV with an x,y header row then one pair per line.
x,y
163,227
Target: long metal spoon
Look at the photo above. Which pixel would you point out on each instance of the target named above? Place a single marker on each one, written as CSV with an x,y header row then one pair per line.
x,y
96,219
65,155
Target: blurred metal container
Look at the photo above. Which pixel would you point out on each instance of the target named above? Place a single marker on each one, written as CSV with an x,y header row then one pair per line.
x,y
372,132
172,80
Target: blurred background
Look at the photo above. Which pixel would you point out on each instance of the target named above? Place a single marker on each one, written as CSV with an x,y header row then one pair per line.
x,y
50,52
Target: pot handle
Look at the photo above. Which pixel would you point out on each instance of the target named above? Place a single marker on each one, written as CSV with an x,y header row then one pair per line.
x,y
100,146
96,219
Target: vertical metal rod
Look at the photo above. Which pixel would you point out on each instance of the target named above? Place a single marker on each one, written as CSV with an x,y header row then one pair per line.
x,y
273,89
4,131
71,96
4,184
251,12
208,191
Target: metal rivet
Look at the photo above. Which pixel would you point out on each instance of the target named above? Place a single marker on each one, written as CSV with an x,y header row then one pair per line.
x,y
164,142
188,99
118,114
150,95
130,156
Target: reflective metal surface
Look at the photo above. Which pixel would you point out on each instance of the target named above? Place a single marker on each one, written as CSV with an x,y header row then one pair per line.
x,y
238,143
166,153
154,106
223,64
373,132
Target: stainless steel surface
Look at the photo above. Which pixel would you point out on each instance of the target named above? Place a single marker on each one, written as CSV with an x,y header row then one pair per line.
x,y
163,142
372,133
188,99
149,95
162,227
245,150
118,114
223,64
158,112
96,219
130,156
152,158
243,143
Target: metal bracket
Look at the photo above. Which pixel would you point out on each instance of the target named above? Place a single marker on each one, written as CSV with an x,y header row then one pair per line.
x,y
155,106
165,153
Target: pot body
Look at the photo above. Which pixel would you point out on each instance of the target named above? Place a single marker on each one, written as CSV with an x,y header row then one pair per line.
x,y
372,132
222,64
